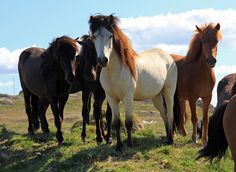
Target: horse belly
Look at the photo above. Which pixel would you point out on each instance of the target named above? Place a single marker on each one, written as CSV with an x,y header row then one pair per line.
x,y
148,87
32,79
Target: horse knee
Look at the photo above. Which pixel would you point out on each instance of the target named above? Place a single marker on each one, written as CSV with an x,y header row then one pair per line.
x,y
129,124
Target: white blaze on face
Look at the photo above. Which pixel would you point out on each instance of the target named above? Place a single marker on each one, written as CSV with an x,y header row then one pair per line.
x,y
103,42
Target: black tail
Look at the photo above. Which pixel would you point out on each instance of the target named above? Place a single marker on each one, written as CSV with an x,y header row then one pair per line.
x,y
178,117
217,144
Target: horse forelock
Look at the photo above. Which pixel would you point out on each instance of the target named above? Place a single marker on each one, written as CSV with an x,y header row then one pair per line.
x,y
121,42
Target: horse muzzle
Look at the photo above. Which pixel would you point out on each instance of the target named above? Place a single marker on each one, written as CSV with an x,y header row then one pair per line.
x,y
102,61
211,61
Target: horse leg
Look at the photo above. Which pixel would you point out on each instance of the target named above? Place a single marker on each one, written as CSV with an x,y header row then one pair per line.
x,y
27,97
57,120
229,121
206,102
43,105
185,115
168,95
34,111
109,119
158,102
128,103
117,122
62,103
89,108
86,96
194,119
97,105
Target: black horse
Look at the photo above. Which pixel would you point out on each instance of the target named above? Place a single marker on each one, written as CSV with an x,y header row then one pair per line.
x,y
88,73
45,77
217,143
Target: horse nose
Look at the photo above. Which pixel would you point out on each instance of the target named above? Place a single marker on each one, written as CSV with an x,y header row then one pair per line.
x,y
102,61
211,61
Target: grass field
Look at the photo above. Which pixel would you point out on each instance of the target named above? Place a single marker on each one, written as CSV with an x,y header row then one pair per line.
x,y
19,152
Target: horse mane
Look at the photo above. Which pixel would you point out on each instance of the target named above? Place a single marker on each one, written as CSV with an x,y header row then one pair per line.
x,y
121,42
195,48
62,40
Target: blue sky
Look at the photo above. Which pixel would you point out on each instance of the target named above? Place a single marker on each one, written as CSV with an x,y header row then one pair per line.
x,y
148,23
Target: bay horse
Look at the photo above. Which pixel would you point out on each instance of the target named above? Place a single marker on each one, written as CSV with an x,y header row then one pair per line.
x,y
222,130
196,78
45,76
88,72
128,76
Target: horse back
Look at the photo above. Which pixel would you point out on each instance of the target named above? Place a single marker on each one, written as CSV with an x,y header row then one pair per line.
x,y
29,67
226,88
155,69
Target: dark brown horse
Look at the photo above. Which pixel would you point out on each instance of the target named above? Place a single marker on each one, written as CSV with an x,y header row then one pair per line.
x,y
222,128
88,73
196,77
45,77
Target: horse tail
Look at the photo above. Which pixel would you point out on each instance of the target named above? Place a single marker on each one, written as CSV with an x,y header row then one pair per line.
x,y
178,123
217,144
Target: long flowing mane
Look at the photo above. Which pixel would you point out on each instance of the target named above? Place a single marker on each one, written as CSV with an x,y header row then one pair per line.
x,y
195,47
121,42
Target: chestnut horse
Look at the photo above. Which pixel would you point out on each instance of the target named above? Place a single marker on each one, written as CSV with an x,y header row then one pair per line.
x,y
128,76
196,77
222,128
45,77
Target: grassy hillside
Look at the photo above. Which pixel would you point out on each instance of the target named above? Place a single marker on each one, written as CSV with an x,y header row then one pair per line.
x,y
19,152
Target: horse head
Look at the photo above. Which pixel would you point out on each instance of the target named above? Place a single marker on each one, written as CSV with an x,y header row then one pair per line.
x,y
65,51
102,28
88,58
209,37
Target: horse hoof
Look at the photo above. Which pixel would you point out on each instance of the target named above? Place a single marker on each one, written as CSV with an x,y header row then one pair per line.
x,y
109,140
130,144
99,139
59,138
170,141
31,133
119,147
46,130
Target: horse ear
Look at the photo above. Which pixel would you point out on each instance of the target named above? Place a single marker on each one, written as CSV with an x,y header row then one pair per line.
x,y
199,29
91,19
79,40
217,27
111,19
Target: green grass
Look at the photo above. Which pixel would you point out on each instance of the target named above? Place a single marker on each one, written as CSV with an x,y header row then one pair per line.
x,y
20,152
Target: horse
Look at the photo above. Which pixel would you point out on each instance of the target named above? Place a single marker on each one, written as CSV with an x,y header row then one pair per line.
x,y
196,78
88,72
222,123
45,77
128,76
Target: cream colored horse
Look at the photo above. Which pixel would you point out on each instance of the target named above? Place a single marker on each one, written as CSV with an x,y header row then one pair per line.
x,y
128,76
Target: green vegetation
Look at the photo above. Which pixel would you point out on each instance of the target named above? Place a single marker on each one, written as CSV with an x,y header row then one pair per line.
x,y
20,152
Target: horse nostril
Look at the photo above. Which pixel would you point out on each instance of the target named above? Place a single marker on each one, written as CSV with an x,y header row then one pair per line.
x,y
105,60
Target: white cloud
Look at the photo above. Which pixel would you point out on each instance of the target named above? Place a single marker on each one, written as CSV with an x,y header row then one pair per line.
x,y
9,59
177,28
225,69
6,84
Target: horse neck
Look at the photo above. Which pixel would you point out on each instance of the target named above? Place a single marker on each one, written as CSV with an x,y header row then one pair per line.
x,y
49,59
114,64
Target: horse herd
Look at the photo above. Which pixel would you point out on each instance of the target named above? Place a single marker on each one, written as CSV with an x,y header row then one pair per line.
x,y
106,66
